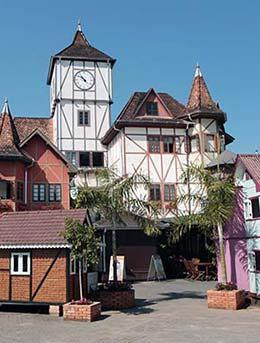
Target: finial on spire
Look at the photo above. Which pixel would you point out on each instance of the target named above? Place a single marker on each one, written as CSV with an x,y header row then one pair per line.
x,y
79,26
197,71
6,107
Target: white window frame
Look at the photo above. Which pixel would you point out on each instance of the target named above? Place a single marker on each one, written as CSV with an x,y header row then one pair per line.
x,y
84,114
73,262
20,263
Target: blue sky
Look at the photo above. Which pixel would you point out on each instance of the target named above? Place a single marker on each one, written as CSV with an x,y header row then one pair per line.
x,y
156,44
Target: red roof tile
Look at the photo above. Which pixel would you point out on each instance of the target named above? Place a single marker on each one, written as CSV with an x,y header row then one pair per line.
x,y
129,114
36,227
252,165
200,98
25,126
9,140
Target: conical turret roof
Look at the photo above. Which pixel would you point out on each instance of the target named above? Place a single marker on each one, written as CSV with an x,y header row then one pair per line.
x,y
9,141
200,98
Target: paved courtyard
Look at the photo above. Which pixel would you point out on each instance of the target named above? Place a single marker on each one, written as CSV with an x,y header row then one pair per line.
x,y
168,311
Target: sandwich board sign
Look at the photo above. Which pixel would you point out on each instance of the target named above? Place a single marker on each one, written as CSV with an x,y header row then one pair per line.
x,y
156,270
120,263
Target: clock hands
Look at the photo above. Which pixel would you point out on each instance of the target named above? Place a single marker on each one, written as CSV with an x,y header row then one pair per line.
x,y
83,78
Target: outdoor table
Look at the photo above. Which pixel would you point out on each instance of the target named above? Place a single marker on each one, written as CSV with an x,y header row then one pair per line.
x,y
206,265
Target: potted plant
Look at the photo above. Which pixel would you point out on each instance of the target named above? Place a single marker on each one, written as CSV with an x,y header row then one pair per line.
x,y
113,198
214,194
84,247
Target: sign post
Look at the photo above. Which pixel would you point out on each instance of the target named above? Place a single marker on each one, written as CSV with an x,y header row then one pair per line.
x,y
156,269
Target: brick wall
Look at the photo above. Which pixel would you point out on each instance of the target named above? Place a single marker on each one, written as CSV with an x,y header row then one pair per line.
x,y
227,300
53,288
82,312
4,274
20,288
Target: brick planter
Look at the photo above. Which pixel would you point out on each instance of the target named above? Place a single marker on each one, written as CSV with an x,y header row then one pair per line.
x,y
82,312
116,300
227,300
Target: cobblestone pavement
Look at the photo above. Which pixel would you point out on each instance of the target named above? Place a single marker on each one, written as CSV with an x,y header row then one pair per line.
x,y
167,311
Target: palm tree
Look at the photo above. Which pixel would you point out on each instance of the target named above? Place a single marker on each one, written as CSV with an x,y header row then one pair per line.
x,y
115,196
211,198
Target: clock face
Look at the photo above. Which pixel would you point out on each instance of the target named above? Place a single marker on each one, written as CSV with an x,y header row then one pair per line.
x,y
84,80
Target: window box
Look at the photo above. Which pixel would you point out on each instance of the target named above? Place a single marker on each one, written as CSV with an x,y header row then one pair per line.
x,y
20,263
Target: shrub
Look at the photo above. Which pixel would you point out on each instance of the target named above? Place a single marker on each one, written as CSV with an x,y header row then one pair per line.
x,y
229,286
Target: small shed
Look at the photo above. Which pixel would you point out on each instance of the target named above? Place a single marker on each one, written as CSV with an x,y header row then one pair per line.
x,y
35,263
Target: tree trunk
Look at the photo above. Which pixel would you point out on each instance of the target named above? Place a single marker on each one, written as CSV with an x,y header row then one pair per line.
x,y
223,267
114,255
80,280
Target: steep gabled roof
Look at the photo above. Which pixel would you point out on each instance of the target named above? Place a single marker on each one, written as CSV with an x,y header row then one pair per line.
x,y
36,228
251,163
129,116
9,140
79,49
72,168
130,111
26,125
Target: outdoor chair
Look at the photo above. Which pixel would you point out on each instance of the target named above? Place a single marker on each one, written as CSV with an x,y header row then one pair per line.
x,y
188,268
196,273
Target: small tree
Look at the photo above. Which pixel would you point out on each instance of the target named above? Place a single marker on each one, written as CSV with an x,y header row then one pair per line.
x,y
212,200
84,245
116,196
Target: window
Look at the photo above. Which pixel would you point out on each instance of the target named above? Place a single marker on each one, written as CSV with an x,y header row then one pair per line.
x,y
179,144
54,192
255,207
169,192
97,159
168,144
154,144
20,263
257,260
155,193
84,159
210,143
20,191
71,156
83,118
39,192
152,108
91,159
194,144
73,265
5,190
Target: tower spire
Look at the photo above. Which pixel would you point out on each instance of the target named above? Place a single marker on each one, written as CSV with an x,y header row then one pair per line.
x,y
6,107
197,71
79,26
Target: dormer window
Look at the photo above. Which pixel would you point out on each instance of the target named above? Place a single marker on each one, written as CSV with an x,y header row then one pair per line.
x,y
152,108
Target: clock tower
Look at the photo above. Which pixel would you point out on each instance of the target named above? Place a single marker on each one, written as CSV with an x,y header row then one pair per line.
x,y
80,79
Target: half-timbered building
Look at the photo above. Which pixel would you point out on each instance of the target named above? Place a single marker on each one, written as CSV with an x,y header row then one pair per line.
x,y
80,79
34,174
159,137
35,263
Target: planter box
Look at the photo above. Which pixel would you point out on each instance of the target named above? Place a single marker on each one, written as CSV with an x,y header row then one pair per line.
x,y
82,312
227,300
116,300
